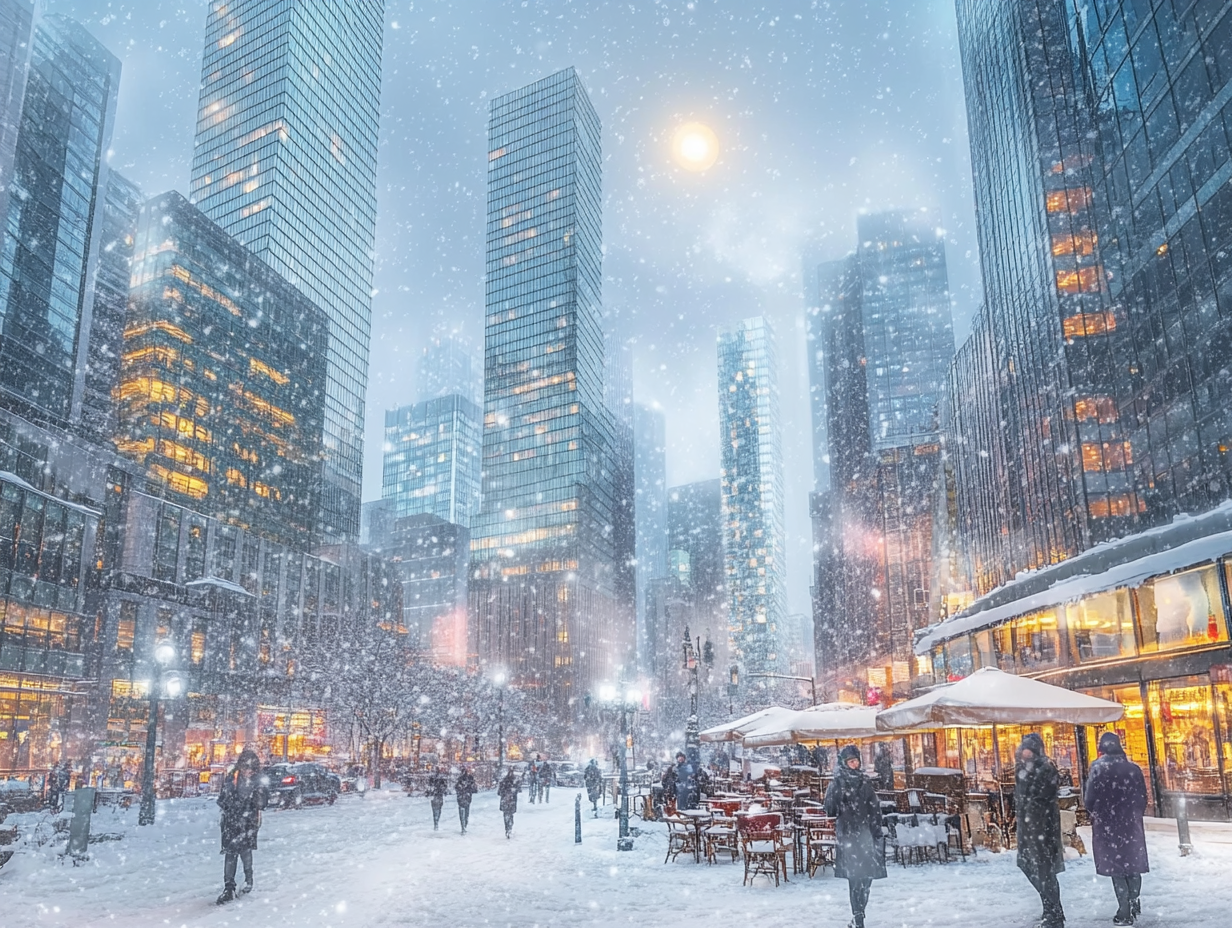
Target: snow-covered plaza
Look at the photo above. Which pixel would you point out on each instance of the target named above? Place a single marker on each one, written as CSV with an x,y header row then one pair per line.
x,y
375,861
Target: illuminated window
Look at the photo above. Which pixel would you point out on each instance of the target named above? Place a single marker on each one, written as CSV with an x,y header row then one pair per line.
x,y
126,628
1081,243
1104,507
1081,280
196,651
1106,456
1098,408
1068,201
1083,324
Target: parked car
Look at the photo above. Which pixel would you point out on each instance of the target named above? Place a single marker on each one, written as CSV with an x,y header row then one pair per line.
x,y
567,773
291,786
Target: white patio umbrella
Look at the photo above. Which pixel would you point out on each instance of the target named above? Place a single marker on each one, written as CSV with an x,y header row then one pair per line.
x,y
826,722
735,731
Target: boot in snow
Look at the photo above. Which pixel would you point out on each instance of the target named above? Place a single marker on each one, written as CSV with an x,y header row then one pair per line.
x,y
228,893
247,888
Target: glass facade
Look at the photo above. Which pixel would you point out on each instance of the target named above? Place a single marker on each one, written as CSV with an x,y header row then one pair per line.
x,y
432,459
448,366
545,598
751,481
222,376
47,260
285,162
650,475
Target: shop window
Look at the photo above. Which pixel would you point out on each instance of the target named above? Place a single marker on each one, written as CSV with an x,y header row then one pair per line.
x,y
1081,325
1037,641
958,658
1068,201
1223,710
982,651
1003,641
1101,627
1183,716
1181,611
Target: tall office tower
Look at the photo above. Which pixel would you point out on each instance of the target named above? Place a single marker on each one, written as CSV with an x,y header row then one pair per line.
x,y
122,203
50,248
449,366
285,163
432,459
16,25
546,557
650,507
1067,481
221,378
751,475
887,340
1156,84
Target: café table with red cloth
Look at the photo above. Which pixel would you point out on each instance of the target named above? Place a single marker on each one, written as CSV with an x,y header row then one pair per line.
x,y
729,807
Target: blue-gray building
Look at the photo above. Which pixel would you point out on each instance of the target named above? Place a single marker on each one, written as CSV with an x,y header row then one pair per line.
x,y
285,162
650,511
752,486
431,463
546,565
54,198
448,365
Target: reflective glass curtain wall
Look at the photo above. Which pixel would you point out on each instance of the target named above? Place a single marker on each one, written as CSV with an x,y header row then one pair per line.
x,y
432,459
544,601
285,162
50,233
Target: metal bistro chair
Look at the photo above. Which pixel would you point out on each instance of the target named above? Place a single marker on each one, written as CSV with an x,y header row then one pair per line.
x,y
721,836
821,843
761,845
681,837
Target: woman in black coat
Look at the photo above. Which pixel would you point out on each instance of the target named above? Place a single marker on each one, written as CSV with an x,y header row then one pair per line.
x,y
508,792
465,790
241,800
852,802
437,787
1040,855
1116,799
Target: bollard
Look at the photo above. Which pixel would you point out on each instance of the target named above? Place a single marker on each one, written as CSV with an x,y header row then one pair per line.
x,y
1182,827
577,819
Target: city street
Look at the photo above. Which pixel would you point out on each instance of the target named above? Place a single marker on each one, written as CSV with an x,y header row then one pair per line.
x,y
375,861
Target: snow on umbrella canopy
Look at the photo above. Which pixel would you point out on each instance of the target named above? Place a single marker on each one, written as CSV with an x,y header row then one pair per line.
x,y
992,697
735,731
827,722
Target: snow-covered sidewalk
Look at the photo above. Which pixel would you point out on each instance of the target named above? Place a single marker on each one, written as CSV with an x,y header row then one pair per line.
x,y
375,861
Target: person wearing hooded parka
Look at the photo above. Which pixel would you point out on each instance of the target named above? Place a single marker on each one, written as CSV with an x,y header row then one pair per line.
x,y
1040,854
1116,800
241,800
852,802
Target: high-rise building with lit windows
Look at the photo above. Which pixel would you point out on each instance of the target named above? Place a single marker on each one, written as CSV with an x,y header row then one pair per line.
x,y
285,162
751,482
546,600
431,460
221,378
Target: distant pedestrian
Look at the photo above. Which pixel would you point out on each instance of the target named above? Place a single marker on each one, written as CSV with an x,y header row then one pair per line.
x,y
508,792
57,786
241,800
593,778
686,783
1040,855
883,764
437,787
545,781
1116,799
668,782
532,779
465,790
852,802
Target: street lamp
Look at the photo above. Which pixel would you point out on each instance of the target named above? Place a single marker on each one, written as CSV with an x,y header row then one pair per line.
x,y
626,699
168,683
692,735
733,687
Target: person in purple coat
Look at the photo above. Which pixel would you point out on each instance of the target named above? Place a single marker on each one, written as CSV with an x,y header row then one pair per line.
x,y
1116,800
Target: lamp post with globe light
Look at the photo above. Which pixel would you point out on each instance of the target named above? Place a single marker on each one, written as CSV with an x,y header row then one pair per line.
x,y
625,699
167,685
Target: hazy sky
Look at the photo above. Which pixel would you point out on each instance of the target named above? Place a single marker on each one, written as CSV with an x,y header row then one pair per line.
x,y
822,109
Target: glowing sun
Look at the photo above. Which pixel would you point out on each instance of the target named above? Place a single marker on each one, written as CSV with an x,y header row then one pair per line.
x,y
695,146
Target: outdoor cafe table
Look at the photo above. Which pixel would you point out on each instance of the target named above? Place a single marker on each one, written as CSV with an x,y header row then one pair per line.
x,y
699,818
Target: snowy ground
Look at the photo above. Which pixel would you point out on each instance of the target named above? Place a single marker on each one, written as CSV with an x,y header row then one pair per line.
x,y
375,861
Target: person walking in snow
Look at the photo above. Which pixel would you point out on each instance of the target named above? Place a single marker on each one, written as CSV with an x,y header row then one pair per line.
x,y
545,781
241,800
883,764
1040,855
852,802
592,776
532,778
508,792
686,783
1116,799
437,787
465,790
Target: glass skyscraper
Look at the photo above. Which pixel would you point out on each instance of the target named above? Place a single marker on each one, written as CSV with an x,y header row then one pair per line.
x,y
751,482
285,162
448,365
650,511
546,571
221,377
432,459
54,194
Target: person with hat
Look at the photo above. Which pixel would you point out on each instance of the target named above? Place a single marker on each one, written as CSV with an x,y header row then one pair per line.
x,y
1116,800
241,799
852,802
1040,854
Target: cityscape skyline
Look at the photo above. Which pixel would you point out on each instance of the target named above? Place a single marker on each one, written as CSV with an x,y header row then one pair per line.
x,y
429,259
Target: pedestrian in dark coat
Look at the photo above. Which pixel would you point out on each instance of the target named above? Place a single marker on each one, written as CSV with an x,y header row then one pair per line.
x,y
1116,799
686,783
546,773
883,763
241,800
532,776
592,776
852,802
508,792
437,787
1040,855
465,790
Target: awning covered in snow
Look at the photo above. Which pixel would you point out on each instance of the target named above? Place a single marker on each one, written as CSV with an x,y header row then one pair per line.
x,y
735,731
992,697
826,722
